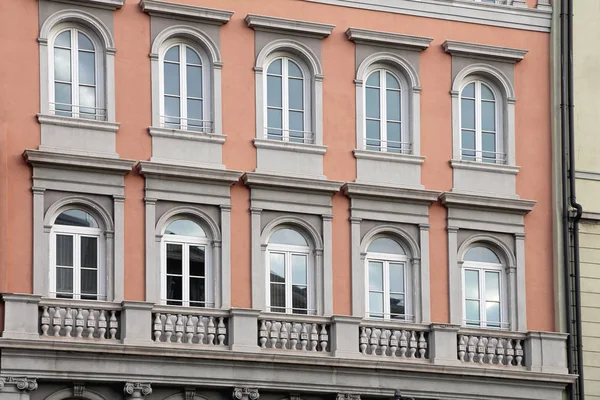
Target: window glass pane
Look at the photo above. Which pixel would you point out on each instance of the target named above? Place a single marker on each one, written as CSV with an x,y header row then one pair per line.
x,y
376,304
89,281
468,145
492,286
275,123
172,79
194,81
174,291
472,311
294,70
62,95
62,65
277,297
89,252
397,278
275,67
488,116
373,135
191,56
197,292
492,313
486,93
174,258
394,137
84,42
288,236
277,265
472,284
87,68
481,254
76,217
197,261
385,245
296,124
172,54
194,112
298,269
375,275
391,82
397,305
64,280
393,105
469,90
373,79
296,95
87,98
274,91
63,40
172,110
488,145
467,112
372,103
64,250
299,299
184,227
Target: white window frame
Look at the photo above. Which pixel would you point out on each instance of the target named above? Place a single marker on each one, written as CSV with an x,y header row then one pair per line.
x,y
405,143
186,242
101,112
288,251
501,156
77,232
482,268
206,85
309,134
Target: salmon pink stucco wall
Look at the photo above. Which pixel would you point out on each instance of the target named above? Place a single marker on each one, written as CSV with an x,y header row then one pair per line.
x,y
19,130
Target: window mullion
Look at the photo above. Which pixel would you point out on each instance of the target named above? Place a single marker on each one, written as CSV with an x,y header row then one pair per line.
x,y
482,303
183,85
288,282
386,290
185,275
76,266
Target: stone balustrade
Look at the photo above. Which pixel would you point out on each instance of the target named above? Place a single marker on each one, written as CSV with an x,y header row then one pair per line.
x,y
503,349
300,333
186,326
393,340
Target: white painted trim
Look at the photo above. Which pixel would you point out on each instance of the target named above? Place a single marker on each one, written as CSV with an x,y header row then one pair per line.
x,y
393,157
489,167
486,52
188,12
78,123
388,39
279,25
289,146
187,135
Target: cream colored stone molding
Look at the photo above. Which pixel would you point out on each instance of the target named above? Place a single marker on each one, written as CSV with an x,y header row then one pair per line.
x,y
388,39
488,167
107,4
587,175
507,16
39,158
353,189
273,24
255,179
485,52
393,157
212,175
183,11
79,123
186,135
467,200
289,146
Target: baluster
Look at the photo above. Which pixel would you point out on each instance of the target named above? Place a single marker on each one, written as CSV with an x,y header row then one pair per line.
x,y
383,342
303,337
403,344
221,331
323,337
363,340
68,322
56,321
79,322
45,321
481,349
91,324
102,324
157,327
373,339
314,337
211,330
519,352
500,351
189,329
393,344
462,347
200,329
293,337
168,328
413,345
273,334
113,324
510,352
263,334
178,328
422,345
472,345
491,350
283,335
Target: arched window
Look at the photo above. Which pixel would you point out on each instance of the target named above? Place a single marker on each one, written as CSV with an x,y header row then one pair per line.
x,y
290,278
184,80
481,138
76,70
77,254
388,277
287,93
383,112
484,285
186,272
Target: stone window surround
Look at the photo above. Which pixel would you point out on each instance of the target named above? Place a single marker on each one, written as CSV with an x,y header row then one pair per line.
x,y
77,391
188,186
93,175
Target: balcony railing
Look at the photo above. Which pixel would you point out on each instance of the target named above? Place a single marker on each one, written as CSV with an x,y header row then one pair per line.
x,y
292,332
182,325
394,340
502,349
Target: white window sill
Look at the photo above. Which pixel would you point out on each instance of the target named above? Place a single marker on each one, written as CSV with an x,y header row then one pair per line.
x,y
288,146
487,167
384,156
80,123
186,135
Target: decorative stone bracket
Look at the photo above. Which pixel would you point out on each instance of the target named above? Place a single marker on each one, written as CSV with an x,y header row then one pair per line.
x,y
245,393
137,390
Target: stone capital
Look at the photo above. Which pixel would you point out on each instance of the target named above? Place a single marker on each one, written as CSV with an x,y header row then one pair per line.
x,y
22,384
245,393
348,396
137,390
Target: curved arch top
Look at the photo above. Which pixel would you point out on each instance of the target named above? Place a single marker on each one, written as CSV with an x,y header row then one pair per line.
x,y
391,230
89,205
314,236
487,71
204,219
81,17
501,249
290,46
70,393
196,35
392,59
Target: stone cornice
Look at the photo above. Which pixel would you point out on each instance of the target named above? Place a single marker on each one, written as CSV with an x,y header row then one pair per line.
x,y
41,158
482,202
182,11
178,172
486,52
78,123
274,24
268,181
388,39
106,4
408,195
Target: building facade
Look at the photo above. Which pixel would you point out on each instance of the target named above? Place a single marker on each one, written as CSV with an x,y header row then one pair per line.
x,y
300,199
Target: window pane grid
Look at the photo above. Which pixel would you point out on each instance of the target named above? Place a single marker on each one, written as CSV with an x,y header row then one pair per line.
x,y
484,308
186,275
387,295
289,290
